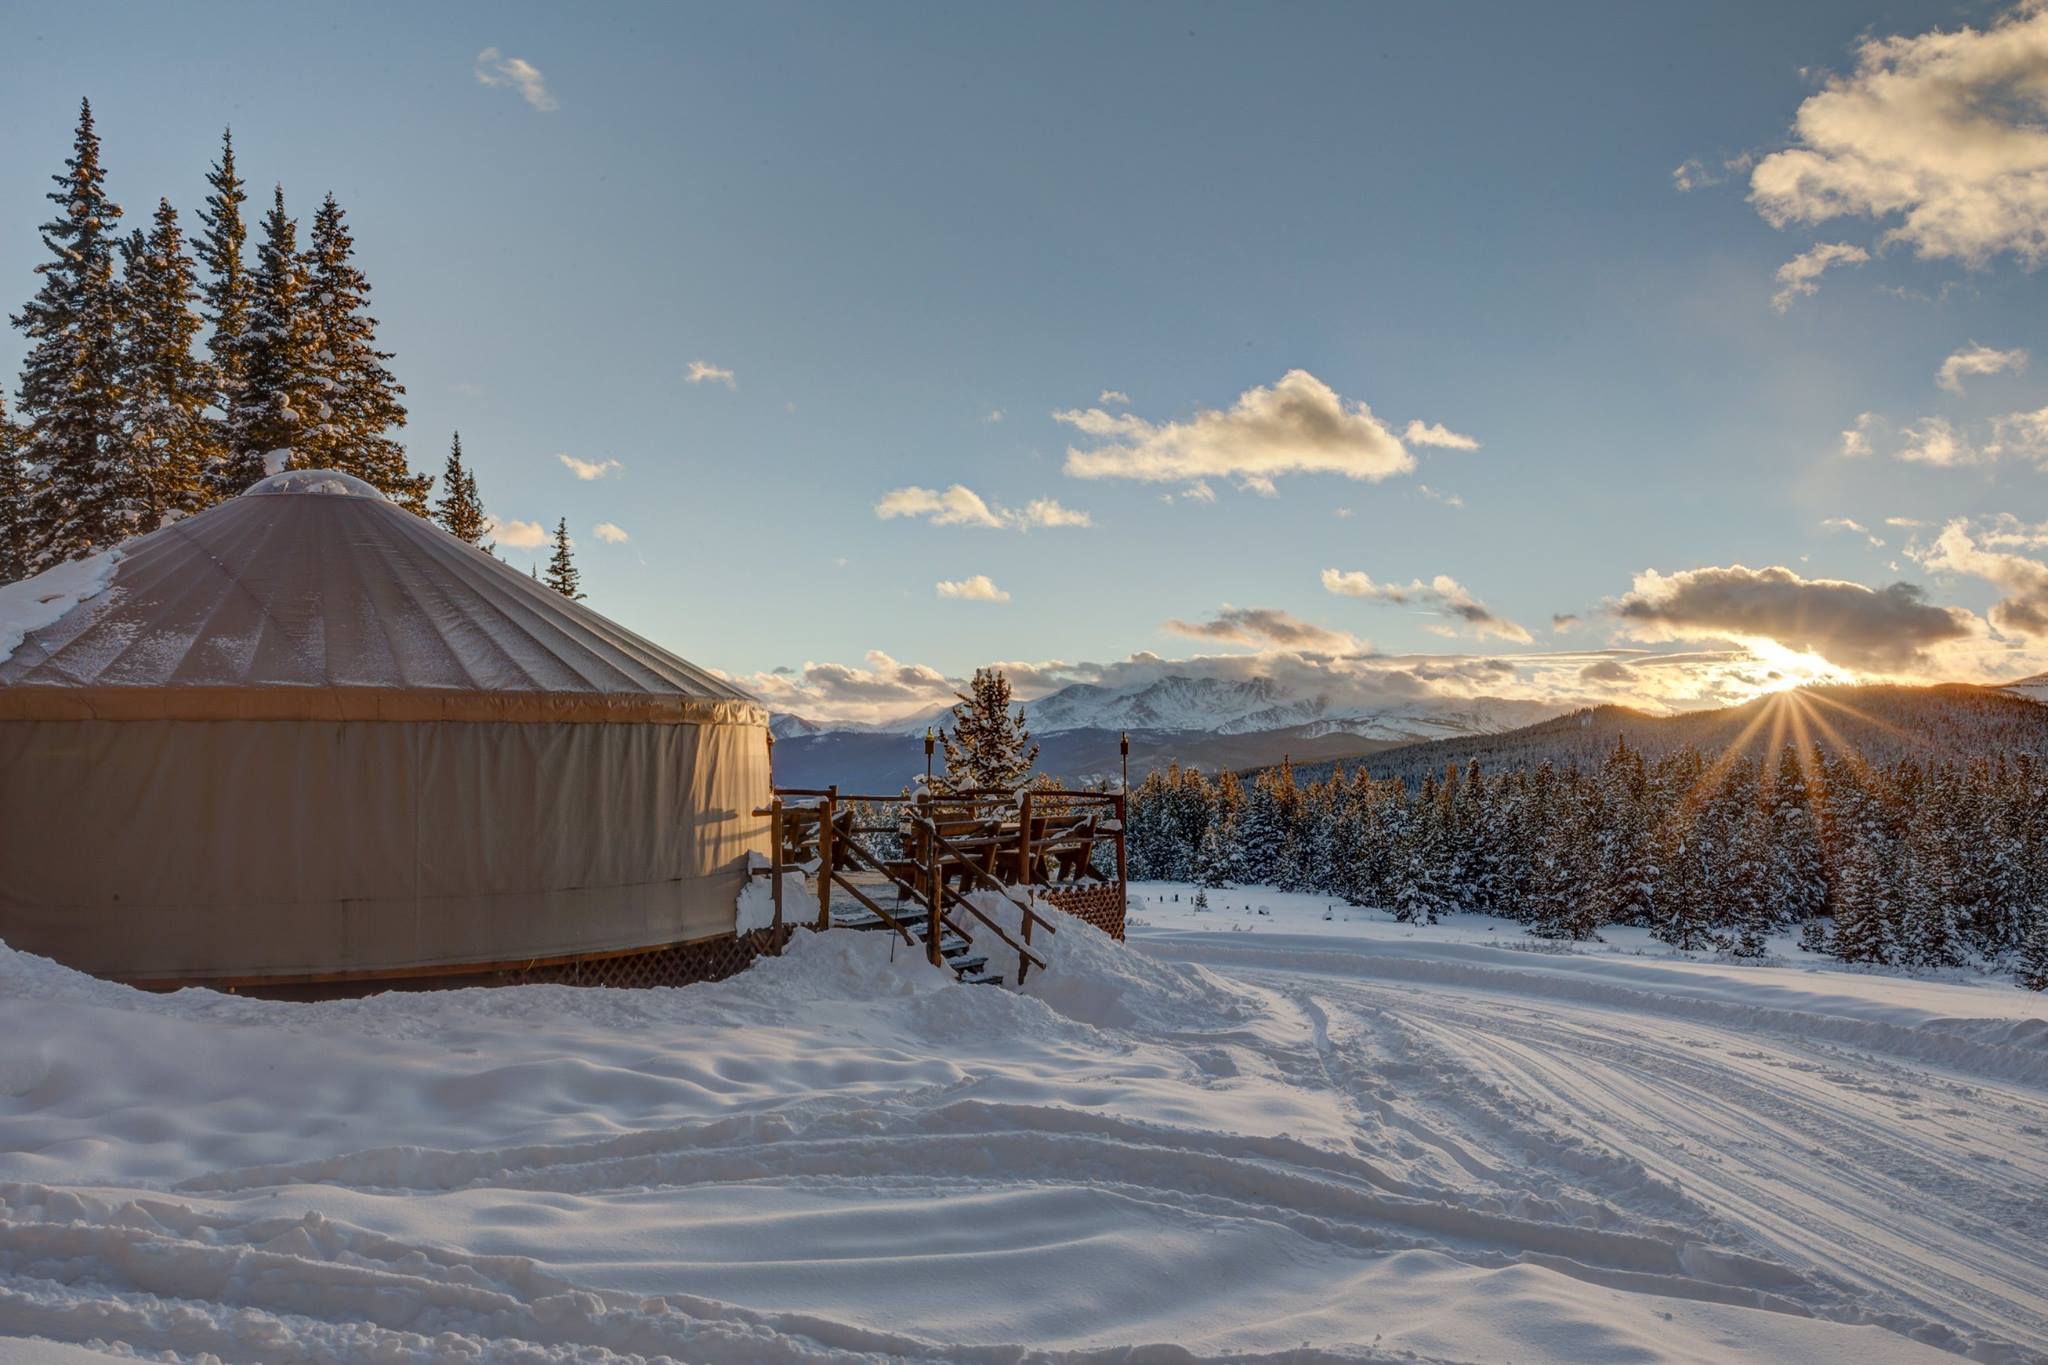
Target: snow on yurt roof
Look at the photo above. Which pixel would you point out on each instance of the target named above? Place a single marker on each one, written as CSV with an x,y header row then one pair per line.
x,y
313,596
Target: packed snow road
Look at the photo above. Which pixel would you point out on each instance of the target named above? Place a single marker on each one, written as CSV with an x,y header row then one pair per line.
x,y
1902,1192
1314,1142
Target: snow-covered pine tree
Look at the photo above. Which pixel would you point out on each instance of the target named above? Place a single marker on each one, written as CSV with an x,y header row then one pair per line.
x,y
562,574
1798,890
1260,834
1929,934
1748,885
275,398
165,387
1212,860
356,398
1627,866
987,746
226,292
2033,961
460,511
1863,928
14,501
84,497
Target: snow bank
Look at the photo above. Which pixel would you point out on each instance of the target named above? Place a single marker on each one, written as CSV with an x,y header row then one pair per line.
x,y
842,1154
756,904
34,603
1092,979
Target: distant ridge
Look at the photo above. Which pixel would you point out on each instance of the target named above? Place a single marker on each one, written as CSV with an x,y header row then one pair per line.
x,y
1884,723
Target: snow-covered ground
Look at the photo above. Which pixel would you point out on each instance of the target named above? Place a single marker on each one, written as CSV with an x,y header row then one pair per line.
x,y
1249,1136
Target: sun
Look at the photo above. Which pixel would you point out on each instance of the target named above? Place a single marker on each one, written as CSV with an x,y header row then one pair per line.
x,y
1788,669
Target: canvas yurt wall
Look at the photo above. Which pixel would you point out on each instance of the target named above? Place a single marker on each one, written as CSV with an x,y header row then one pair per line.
x,y
306,735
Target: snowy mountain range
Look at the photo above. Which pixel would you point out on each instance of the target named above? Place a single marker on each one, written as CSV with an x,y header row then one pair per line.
x,y
2034,688
1226,706
1208,722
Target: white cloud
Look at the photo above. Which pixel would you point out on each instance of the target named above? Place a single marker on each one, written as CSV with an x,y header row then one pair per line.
x,y
1946,132
1442,592
1904,521
995,415
960,505
589,469
1437,434
1694,174
519,535
494,68
979,588
1856,439
1974,359
1851,524
1298,426
1800,276
1886,630
957,506
610,534
1962,549
1938,441
1438,495
704,372
1113,398
1266,627
1935,441
1049,512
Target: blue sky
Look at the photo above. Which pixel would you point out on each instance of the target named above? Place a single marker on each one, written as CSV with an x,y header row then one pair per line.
x,y
888,224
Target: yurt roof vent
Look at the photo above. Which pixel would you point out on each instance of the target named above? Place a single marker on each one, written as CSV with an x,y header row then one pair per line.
x,y
331,482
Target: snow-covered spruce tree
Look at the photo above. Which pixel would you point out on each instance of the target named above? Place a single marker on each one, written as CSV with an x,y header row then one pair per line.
x,y
356,398
987,745
1863,929
1627,862
460,511
226,292
275,396
1929,935
562,574
2032,970
1212,860
1749,886
84,497
165,387
1798,890
14,501
1260,833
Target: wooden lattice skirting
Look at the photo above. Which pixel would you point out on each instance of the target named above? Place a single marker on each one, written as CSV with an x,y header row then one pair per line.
x,y
1102,906
672,964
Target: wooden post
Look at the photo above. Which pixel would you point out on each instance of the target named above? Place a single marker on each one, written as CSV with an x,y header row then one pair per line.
x,y
1024,963
826,813
1123,892
1024,839
929,879
775,866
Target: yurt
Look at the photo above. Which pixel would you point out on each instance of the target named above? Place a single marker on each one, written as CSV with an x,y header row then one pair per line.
x,y
307,738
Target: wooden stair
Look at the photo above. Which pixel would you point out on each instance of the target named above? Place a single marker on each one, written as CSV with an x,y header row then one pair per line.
x,y
965,958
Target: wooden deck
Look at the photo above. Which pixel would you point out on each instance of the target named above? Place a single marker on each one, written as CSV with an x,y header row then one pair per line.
x,y
926,868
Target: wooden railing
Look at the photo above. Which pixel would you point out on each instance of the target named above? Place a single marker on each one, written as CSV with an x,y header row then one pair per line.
x,y
1021,846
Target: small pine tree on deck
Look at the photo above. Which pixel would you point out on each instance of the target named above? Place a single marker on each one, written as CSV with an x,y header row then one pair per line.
x,y
562,575
987,746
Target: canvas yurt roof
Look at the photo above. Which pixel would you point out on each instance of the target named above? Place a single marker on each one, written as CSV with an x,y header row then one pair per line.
x,y
311,596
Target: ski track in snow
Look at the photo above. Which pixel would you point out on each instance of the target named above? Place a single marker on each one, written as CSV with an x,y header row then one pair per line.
x,y
1241,1146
